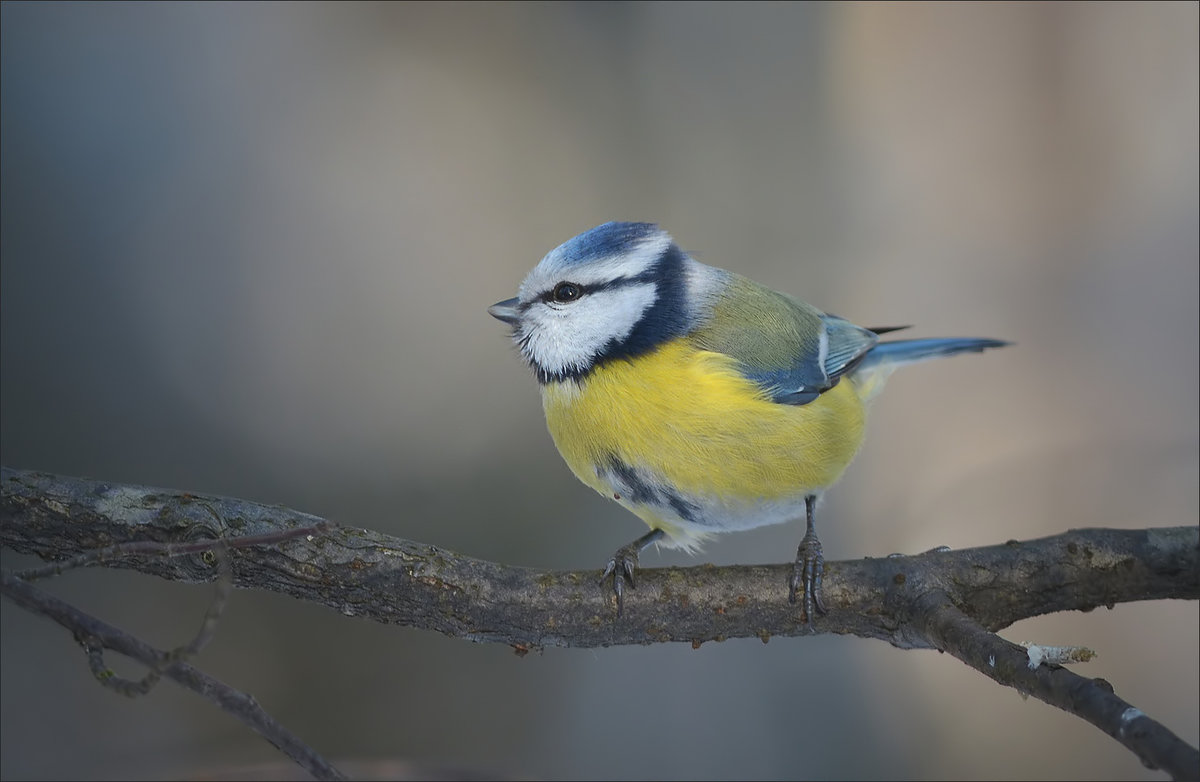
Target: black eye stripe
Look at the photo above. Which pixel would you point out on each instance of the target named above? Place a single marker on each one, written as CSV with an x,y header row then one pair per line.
x,y
588,288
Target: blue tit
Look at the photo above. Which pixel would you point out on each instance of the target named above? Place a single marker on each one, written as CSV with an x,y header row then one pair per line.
x,y
698,399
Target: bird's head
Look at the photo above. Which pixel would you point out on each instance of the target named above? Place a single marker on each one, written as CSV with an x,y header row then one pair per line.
x,y
616,291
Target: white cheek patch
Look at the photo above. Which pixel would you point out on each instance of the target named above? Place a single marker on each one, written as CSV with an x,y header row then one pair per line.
x,y
562,339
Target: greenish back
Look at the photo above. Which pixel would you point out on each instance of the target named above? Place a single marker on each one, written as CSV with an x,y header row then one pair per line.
x,y
777,340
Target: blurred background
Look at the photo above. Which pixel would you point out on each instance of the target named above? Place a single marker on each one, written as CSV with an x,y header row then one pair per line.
x,y
248,249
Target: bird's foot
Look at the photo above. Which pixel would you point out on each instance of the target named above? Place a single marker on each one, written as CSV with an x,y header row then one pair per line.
x,y
807,574
621,567
623,564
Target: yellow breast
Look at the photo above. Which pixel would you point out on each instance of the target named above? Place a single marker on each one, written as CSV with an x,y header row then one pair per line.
x,y
690,419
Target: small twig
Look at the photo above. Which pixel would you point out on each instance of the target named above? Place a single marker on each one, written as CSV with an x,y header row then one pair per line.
x,y
1092,699
131,688
95,633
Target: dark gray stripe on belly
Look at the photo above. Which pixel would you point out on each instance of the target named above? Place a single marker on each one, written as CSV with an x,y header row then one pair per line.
x,y
645,492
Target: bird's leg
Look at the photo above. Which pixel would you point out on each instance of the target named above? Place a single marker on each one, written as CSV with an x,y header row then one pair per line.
x,y
624,562
809,568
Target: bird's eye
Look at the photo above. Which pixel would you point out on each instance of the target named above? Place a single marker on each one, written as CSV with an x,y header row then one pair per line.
x,y
567,291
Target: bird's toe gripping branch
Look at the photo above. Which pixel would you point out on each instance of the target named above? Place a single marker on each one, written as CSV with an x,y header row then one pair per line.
x,y
623,564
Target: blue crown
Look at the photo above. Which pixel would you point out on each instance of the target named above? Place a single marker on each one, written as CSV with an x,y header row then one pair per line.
x,y
602,241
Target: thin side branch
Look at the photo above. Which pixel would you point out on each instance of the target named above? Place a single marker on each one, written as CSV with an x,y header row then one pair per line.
x,y
180,654
1092,699
93,634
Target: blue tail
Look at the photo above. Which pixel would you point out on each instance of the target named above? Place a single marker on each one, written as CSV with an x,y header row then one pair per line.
x,y
905,351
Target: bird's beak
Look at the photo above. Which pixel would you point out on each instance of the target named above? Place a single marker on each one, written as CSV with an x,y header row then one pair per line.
x,y
506,311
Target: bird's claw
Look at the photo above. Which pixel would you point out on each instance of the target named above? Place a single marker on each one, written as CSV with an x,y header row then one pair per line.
x,y
807,575
621,567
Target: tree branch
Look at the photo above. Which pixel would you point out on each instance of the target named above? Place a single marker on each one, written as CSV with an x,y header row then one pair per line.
x,y
93,634
1092,699
953,600
396,581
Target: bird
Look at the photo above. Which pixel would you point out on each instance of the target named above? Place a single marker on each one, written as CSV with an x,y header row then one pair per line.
x,y
696,398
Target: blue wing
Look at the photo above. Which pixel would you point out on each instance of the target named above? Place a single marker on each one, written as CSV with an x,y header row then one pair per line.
x,y
792,350
809,376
